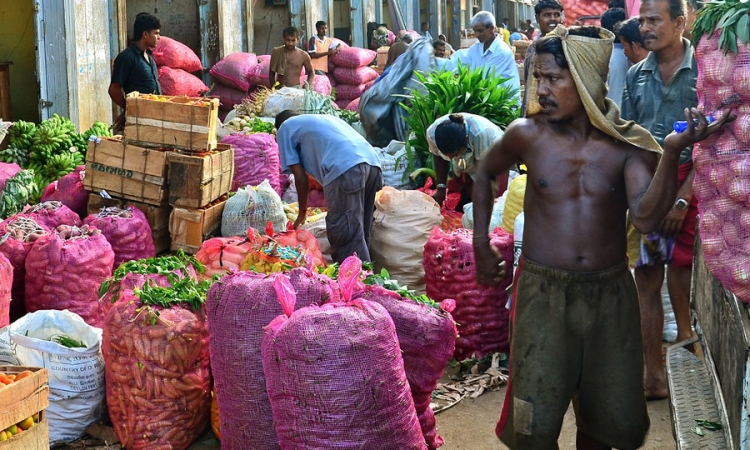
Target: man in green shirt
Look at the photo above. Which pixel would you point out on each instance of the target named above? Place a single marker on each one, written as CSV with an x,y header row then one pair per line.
x,y
657,90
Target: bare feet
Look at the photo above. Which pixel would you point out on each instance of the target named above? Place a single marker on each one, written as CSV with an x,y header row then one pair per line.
x,y
656,391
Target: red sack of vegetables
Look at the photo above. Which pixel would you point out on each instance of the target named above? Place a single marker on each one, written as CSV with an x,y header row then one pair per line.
x,y
180,82
261,74
6,283
319,362
127,231
155,346
70,191
175,54
353,57
256,158
235,70
64,270
480,310
427,338
7,170
22,230
239,307
222,255
52,213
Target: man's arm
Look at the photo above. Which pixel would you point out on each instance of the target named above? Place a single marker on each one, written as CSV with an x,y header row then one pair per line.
x,y
307,62
441,178
673,222
300,181
117,94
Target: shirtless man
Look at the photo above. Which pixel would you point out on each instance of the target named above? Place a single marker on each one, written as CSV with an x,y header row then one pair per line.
x,y
576,324
287,61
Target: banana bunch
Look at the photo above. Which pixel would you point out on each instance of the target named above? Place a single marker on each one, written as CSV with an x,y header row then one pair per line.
x,y
16,155
21,134
53,136
99,129
60,165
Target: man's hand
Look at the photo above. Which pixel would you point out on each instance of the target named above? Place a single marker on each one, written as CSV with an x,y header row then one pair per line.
x,y
489,264
696,132
439,196
301,218
672,224
119,124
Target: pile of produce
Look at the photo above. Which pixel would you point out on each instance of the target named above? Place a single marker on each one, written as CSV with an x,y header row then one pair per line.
x,y
69,190
155,347
583,10
256,158
18,192
222,255
127,231
721,36
27,423
51,214
313,214
447,92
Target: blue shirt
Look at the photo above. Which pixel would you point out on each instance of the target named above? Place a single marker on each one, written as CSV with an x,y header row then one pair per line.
x,y
498,59
618,68
514,37
654,106
326,146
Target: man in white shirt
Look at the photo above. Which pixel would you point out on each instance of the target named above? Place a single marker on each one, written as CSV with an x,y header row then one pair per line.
x,y
425,31
490,53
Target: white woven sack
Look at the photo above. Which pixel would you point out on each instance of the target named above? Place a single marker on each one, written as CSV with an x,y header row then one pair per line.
x,y
253,206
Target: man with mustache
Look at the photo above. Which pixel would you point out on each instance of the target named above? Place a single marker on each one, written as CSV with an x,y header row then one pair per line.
x,y
656,90
575,319
549,13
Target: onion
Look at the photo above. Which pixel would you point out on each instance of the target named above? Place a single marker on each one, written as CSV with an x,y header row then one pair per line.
x,y
718,175
732,235
718,68
741,129
740,166
740,269
710,222
744,216
712,245
741,80
738,190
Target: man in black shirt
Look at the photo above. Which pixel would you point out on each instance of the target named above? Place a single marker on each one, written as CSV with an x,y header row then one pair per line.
x,y
134,68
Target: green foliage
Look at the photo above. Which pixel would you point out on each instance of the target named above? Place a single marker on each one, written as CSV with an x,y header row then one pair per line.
x,y
732,17
464,91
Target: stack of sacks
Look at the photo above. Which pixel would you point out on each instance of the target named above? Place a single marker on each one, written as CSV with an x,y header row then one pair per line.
x,y
352,74
176,62
232,76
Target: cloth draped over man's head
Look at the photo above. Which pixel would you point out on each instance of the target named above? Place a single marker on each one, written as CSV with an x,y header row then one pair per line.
x,y
588,61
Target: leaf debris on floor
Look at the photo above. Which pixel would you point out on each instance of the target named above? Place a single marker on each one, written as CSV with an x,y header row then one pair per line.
x,y
471,385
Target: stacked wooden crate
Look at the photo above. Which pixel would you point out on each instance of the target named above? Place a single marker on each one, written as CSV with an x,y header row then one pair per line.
x,y
168,157
21,400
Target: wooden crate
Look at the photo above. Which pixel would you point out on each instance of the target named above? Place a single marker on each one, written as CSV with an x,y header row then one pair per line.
x,y
174,123
126,171
157,216
21,400
190,227
197,180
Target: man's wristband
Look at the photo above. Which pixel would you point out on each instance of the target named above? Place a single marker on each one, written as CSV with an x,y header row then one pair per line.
x,y
441,186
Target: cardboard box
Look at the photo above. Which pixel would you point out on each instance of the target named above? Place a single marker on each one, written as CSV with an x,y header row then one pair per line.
x,y
197,180
126,171
190,227
185,123
157,216
23,399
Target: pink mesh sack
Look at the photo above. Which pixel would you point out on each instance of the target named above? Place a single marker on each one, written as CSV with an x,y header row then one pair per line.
x,y
480,312
52,213
235,70
322,84
260,76
64,270
346,93
256,158
6,283
360,75
228,97
722,165
353,57
353,105
7,171
17,235
127,231
69,190
180,82
427,338
320,362
222,255
175,54
238,308
157,373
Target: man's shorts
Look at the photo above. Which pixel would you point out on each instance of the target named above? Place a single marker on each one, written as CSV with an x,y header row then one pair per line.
x,y
575,336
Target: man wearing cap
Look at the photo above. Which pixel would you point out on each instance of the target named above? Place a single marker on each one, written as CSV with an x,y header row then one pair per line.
x,y
576,325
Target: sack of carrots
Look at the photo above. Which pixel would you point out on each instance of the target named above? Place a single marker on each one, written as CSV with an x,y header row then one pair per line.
x,y
127,230
157,364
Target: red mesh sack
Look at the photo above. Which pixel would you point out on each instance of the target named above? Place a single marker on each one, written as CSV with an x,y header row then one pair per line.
x,y
17,235
304,240
235,70
180,82
127,231
575,9
480,312
722,165
157,374
256,158
322,84
7,170
222,255
69,190
175,54
6,283
64,270
353,57
347,92
451,220
260,76
228,97
238,309
353,105
52,213
359,75
427,338
318,364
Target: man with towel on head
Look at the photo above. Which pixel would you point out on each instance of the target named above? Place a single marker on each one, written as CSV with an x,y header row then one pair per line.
x,y
575,320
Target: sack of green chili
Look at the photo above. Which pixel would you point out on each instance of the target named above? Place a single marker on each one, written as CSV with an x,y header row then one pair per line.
x,y
156,358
